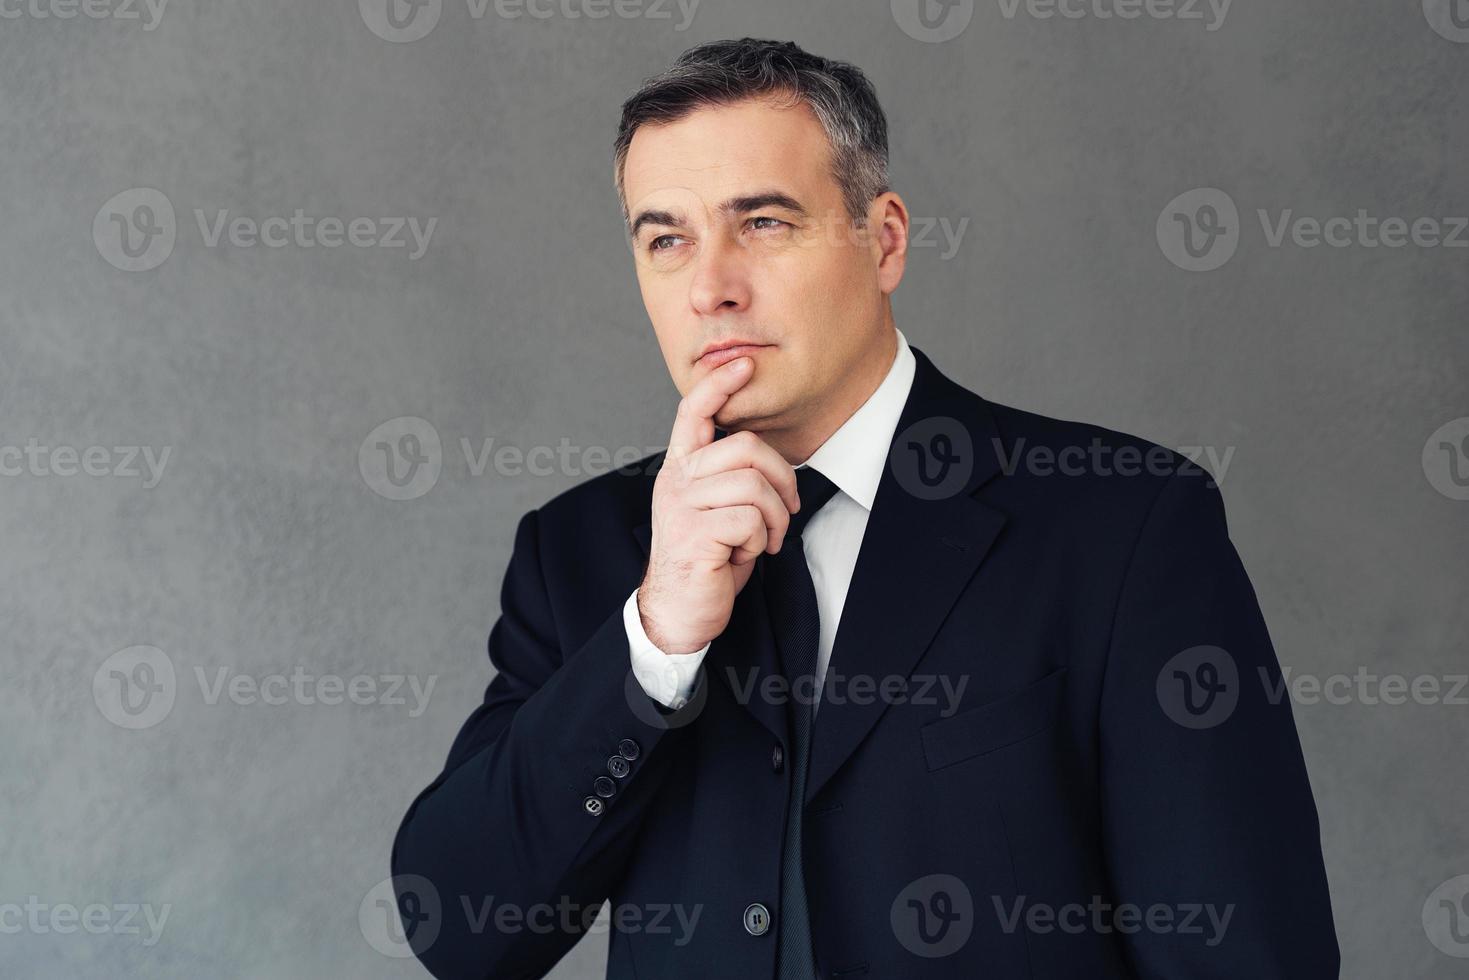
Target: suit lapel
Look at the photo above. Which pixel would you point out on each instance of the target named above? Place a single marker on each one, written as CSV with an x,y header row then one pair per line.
x,y
925,538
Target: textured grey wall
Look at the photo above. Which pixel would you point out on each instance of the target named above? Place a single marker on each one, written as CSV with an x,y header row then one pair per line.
x,y
266,541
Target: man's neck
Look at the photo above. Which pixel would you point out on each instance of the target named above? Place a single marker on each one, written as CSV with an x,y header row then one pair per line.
x,y
797,443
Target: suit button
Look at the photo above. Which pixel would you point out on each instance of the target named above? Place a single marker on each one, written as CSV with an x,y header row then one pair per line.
x,y
603,787
593,806
628,749
618,766
777,759
757,920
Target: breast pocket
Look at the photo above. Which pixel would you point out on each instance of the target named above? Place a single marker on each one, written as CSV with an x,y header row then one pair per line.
x,y
1004,721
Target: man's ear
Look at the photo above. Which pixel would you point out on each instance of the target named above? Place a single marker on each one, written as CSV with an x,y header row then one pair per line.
x,y
888,219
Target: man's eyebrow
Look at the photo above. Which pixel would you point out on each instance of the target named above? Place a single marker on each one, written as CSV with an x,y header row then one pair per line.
x,y
743,204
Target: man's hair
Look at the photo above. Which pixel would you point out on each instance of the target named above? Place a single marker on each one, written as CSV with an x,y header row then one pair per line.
x,y
724,72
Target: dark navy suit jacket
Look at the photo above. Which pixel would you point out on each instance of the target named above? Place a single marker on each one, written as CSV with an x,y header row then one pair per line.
x,y
1116,793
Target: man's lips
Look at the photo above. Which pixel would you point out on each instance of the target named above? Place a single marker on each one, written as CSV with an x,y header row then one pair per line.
x,y
725,351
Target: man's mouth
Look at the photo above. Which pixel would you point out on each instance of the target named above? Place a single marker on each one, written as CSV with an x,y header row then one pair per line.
x,y
724,351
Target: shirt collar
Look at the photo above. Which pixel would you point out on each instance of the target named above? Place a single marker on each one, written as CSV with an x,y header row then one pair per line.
x,y
854,455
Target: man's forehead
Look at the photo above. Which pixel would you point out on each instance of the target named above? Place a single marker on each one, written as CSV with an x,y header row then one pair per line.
x,y
717,153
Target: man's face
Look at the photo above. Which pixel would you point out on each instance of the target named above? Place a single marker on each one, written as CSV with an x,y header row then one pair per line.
x,y
741,237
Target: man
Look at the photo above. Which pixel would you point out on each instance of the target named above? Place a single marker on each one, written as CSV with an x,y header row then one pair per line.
x,y
870,677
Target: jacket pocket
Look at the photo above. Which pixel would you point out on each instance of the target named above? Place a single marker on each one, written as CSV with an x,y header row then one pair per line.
x,y
994,725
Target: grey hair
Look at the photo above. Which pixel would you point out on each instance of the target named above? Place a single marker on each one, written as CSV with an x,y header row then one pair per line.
x,y
723,72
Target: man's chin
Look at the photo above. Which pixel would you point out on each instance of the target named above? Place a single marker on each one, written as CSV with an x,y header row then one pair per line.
x,y
746,410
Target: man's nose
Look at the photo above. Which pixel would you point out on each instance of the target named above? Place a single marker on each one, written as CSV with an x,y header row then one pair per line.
x,y
721,277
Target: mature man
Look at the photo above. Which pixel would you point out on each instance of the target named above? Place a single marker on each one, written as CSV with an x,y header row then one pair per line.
x,y
871,677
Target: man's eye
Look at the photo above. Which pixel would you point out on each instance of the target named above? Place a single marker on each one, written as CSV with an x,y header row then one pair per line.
x,y
774,222
653,246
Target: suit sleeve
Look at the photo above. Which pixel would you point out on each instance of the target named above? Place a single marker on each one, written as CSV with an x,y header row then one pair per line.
x,y
512,843
1207,808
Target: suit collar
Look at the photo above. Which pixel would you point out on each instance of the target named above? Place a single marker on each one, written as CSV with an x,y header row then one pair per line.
x,y
925,539
854,455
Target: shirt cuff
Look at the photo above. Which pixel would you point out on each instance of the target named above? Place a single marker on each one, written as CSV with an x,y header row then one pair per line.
x,y
667,678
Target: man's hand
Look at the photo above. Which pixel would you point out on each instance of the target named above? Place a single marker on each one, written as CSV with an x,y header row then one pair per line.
x,y
716,507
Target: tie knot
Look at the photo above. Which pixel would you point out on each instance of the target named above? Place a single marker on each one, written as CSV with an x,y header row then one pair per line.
x,y
815,490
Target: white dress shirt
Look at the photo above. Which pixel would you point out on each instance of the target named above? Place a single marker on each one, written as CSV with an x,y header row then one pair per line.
x,y
853,458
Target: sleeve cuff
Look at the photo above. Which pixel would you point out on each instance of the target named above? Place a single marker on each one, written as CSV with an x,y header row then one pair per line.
x,y
667,678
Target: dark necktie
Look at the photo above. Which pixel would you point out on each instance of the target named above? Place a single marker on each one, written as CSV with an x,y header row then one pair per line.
x,y
791,598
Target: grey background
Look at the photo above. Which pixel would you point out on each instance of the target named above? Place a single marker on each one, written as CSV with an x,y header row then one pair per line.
x,y
265,549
